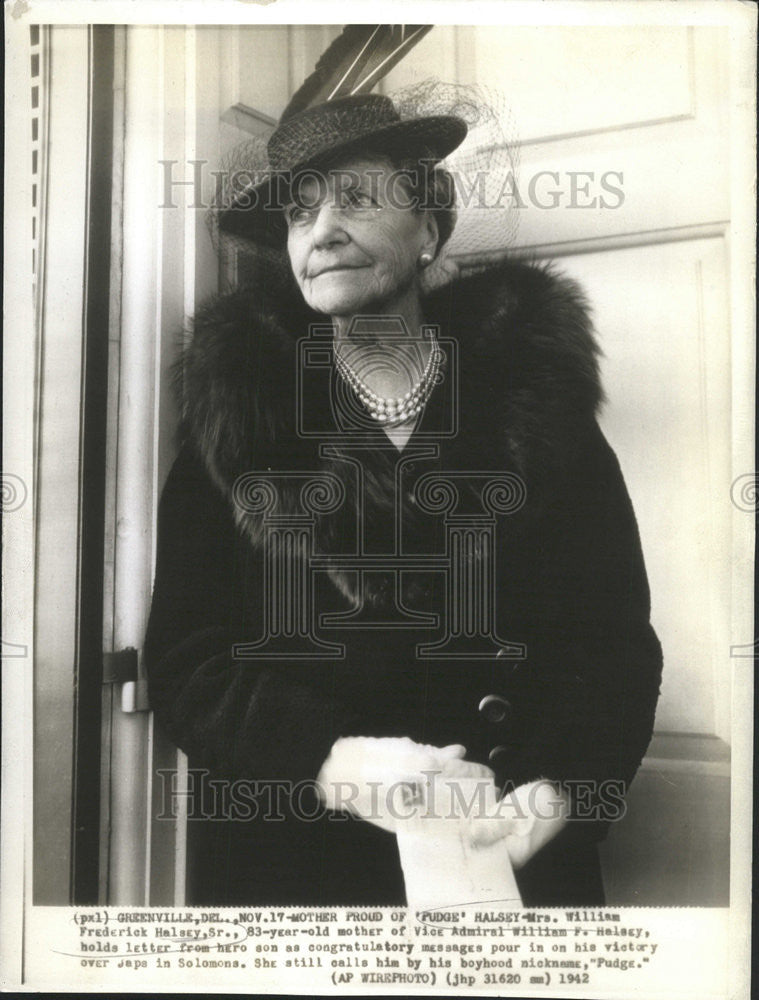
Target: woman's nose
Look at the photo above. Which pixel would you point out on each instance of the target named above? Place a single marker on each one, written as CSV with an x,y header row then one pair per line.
x,y
328,226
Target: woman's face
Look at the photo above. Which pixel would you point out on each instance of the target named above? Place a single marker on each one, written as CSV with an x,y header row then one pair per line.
x,y
355,238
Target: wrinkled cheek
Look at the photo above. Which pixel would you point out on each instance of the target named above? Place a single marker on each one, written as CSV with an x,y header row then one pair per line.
x,y
397,254
296,263
392,266
398,277
403,263
301,280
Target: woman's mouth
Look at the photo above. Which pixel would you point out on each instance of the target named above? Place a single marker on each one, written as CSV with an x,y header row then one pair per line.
x,y
336,268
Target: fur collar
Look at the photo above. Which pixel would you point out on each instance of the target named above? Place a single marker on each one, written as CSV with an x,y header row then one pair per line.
x,y
529,381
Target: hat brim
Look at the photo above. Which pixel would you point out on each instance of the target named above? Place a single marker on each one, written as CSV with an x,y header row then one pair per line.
x,y
256,212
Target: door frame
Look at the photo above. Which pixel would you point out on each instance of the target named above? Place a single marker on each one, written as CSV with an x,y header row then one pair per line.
x,y
164,262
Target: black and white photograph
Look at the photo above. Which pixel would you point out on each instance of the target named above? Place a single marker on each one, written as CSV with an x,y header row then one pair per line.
x,y
378,499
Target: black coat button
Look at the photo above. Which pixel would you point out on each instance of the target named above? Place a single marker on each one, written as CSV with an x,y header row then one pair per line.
x,y
494,708
497,753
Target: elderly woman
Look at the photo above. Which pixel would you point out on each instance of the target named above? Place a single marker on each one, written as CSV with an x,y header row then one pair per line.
x,y
509,643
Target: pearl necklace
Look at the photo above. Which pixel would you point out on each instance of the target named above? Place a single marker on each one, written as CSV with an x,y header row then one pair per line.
x,y
393,411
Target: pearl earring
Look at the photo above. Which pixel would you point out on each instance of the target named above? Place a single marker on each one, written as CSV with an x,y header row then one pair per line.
x,y
425,259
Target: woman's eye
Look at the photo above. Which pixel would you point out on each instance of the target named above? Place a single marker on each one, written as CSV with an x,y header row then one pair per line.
x,y
298,215
360,200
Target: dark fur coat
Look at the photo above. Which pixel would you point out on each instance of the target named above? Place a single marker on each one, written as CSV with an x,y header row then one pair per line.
x,y
570,601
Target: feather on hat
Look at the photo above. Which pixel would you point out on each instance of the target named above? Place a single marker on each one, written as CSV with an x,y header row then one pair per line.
x,y
333,113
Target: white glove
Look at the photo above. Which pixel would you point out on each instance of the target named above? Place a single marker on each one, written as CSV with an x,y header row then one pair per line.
x,y
529,817
381,778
